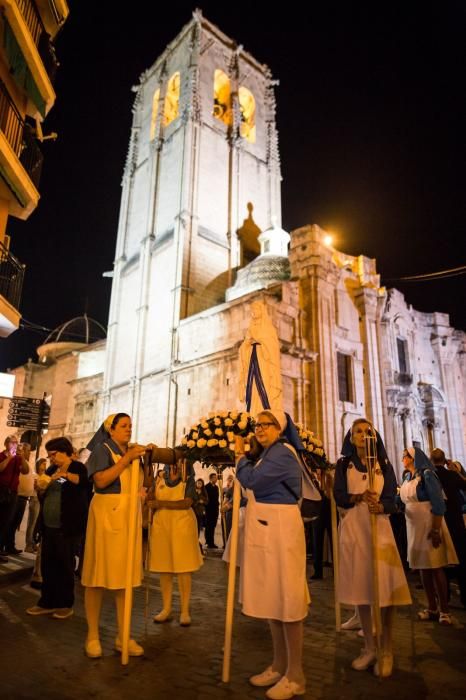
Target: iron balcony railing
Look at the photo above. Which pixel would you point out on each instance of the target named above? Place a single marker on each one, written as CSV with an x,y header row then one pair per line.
x,y
20,137
31,16
11,277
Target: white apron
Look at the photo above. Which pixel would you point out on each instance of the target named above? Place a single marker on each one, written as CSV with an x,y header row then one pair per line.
x,y
273,568
106,547
421,553
355,547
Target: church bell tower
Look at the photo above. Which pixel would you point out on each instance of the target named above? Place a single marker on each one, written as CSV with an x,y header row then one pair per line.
x,y
201,182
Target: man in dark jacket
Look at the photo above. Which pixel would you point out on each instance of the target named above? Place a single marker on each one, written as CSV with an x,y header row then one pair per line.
x,y
453,484
211,511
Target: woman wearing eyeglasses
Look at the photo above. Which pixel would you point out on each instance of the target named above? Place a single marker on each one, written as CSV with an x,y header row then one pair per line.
x,y
63,516
430,546
273,570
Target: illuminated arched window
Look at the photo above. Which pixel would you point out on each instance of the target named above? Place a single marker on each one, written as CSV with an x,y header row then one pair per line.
x,y
247,105
172,99
222,97
155,109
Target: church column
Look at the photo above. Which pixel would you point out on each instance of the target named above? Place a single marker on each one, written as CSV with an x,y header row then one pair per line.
x,y
366,303
120,259
317,279
185,222
445,349
234,169
274,204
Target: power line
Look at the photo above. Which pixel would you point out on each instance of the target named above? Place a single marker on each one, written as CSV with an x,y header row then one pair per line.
x,y
431,276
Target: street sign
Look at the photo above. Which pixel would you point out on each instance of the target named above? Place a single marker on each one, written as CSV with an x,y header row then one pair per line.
x,y
28,413
25,401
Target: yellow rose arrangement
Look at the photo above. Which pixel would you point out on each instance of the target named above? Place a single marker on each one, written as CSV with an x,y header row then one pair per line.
x,y
212,439
314,449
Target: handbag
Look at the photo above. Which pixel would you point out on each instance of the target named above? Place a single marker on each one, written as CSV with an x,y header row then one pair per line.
x,y
310,510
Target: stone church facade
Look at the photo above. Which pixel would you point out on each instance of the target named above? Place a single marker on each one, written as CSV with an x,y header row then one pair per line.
x,y
200,239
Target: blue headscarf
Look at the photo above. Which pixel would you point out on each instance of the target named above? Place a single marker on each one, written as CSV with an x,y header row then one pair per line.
x,y
349,450
421,460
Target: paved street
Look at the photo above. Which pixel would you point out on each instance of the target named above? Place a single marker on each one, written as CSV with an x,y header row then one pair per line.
x,y
43,658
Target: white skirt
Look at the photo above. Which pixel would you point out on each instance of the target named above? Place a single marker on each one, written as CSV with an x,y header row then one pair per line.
x,y
355,548
421,553
273,568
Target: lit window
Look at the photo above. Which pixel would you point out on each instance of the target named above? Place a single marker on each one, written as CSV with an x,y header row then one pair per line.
x,y
222,97
172,99
155,109
247,105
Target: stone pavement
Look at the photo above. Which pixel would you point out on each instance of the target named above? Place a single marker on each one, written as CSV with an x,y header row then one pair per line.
x,y
43,658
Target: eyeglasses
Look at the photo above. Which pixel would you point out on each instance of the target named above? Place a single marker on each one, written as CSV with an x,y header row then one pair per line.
x,y
262,426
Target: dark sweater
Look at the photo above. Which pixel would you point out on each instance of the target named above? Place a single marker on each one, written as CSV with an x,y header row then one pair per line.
x,y
74,500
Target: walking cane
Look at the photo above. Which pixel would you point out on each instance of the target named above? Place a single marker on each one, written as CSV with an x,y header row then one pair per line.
x,y
371,462
336,560
231,582
133,510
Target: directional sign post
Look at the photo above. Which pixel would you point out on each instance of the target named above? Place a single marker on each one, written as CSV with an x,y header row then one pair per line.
x,y
29,414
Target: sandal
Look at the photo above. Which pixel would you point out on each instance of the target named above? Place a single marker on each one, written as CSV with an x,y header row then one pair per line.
x,y
427,614
445,619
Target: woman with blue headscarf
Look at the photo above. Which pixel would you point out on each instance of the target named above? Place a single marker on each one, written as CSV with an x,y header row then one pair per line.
x,y
430,546
273,568
357,502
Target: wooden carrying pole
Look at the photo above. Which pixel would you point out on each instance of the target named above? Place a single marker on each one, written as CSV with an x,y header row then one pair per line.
x,y
371,462
336,560
149,476
231,582
133,511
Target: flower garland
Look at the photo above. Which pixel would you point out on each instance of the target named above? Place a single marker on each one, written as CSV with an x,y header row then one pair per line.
x,y
212,439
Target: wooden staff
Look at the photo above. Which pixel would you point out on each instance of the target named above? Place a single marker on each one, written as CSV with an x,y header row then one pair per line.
x,y
371,462
149,475
335,555
133,511
231,582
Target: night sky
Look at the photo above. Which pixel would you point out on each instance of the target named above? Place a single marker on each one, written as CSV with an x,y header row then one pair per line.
x,y
371,119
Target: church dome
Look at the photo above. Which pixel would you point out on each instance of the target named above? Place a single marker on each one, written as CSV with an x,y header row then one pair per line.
x,y
260,273
72,335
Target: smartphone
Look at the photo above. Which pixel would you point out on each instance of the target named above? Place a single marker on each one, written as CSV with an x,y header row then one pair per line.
x,y
61,480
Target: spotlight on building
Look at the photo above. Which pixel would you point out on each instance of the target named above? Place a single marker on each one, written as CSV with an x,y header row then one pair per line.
x,y
328,240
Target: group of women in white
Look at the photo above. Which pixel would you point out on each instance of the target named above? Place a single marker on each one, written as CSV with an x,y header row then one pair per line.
x,y
273,582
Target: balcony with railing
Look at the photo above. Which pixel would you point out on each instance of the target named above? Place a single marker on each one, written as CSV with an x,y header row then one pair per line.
x,y
41,39
11,277
20,137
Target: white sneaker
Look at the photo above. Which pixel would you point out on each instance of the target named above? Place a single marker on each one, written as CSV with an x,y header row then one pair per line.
x,y
266,678
366,658
285,689
352,624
